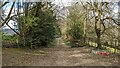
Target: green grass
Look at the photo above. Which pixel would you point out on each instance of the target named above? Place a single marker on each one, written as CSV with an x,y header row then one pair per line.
x,y
111,50
93,44
68,43
53,43
9,38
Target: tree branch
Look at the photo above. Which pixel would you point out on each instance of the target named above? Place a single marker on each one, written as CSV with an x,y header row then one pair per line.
x,y
83,5
104,28
116,22
4,4
8,15
2,18
13,30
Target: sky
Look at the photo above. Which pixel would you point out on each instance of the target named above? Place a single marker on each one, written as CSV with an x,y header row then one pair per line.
x,y
58,2
63,2
7,9
8,6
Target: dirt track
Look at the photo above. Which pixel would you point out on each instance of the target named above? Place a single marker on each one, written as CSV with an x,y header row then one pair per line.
x,y
61,55
56,57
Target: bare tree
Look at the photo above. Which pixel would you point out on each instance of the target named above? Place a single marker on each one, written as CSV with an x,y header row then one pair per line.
x,y
8,16
100,13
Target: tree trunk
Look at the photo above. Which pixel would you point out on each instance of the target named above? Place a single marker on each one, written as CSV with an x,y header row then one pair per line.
x,y
98,33
24,26
98,42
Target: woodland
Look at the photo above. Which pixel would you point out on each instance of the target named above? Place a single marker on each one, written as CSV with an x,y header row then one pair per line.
x,y
53,33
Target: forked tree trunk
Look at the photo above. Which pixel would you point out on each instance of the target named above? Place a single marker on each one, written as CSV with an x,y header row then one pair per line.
x,y
98,33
